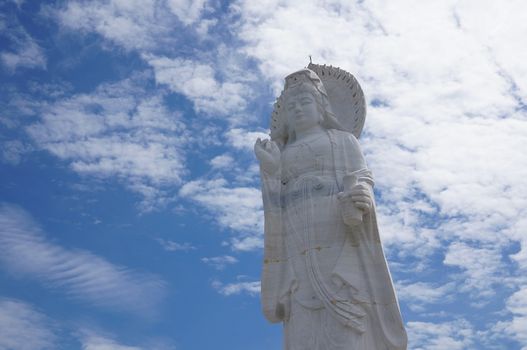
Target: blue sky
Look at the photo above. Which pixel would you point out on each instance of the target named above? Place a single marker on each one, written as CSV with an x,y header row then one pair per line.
x,y
130,209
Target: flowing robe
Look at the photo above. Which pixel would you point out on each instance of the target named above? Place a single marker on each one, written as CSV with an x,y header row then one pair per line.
x,y
326,281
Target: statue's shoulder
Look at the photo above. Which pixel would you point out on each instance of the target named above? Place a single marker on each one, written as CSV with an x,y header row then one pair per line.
x,y
344,136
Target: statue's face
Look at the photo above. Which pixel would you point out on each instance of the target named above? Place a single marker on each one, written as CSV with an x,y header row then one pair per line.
x,y
302,111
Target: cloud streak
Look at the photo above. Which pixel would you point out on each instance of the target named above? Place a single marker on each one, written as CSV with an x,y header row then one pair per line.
x,y
220,262
22,327
22,50
81,275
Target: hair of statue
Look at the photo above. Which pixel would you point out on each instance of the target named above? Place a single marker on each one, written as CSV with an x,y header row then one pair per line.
x,y
305,81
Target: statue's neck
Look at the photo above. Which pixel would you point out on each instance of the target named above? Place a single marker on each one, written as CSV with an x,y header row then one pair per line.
x,y
304,135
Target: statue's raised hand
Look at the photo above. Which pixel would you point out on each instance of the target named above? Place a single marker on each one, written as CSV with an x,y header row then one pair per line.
x,y
268,155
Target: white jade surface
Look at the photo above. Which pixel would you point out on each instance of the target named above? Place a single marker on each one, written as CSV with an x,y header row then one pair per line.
x,y
324,275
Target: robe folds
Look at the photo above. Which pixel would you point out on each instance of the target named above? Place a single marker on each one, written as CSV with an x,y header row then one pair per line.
x,y
327,282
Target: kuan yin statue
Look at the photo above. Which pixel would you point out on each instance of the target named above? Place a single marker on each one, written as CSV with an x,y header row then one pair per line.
x,y
325,275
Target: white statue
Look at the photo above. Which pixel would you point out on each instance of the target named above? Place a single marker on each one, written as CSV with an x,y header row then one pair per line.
x,y
325,275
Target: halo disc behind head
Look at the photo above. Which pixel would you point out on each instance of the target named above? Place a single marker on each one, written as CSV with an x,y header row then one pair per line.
x,y
345,96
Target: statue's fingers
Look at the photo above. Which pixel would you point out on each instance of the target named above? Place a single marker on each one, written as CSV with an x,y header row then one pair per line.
x,y
361,200
365,199
362,205
360,186
359,192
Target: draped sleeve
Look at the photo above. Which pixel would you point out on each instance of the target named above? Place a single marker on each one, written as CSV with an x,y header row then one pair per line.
x,y
274,288
362,264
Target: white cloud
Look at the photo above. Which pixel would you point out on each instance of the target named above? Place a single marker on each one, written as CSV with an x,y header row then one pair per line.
x,y
135,24
146,26
24,50
118,131
94,341
198,82
251,288
220,262
222,161
517,304
419,294
97,339
516,326
247,243
244,139
187,11
172,246
12,151
456,335
482,268
80,275
22,327
236,208
510,25
204,26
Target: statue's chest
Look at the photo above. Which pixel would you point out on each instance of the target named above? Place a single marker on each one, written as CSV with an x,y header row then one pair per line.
x,y
307,157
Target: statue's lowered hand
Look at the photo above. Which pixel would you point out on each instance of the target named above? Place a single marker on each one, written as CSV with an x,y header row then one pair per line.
x,y
355,201
361,197
268,155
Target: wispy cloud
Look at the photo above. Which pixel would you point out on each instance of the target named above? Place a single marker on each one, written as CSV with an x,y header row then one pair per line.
x,y
154,29
243,139
172,246
419,294
22,51
251,288
220,262
13,151
96,341
22,327
187,11
514,327
135,25
455,335
197,81
236,208
117,131
482,268
80,275
129,24
222,161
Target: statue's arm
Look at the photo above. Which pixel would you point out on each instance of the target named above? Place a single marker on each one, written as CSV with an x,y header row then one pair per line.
x,y
360,189
274,307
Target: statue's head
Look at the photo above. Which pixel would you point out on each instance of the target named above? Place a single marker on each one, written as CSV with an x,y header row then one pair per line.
x,y
305,95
